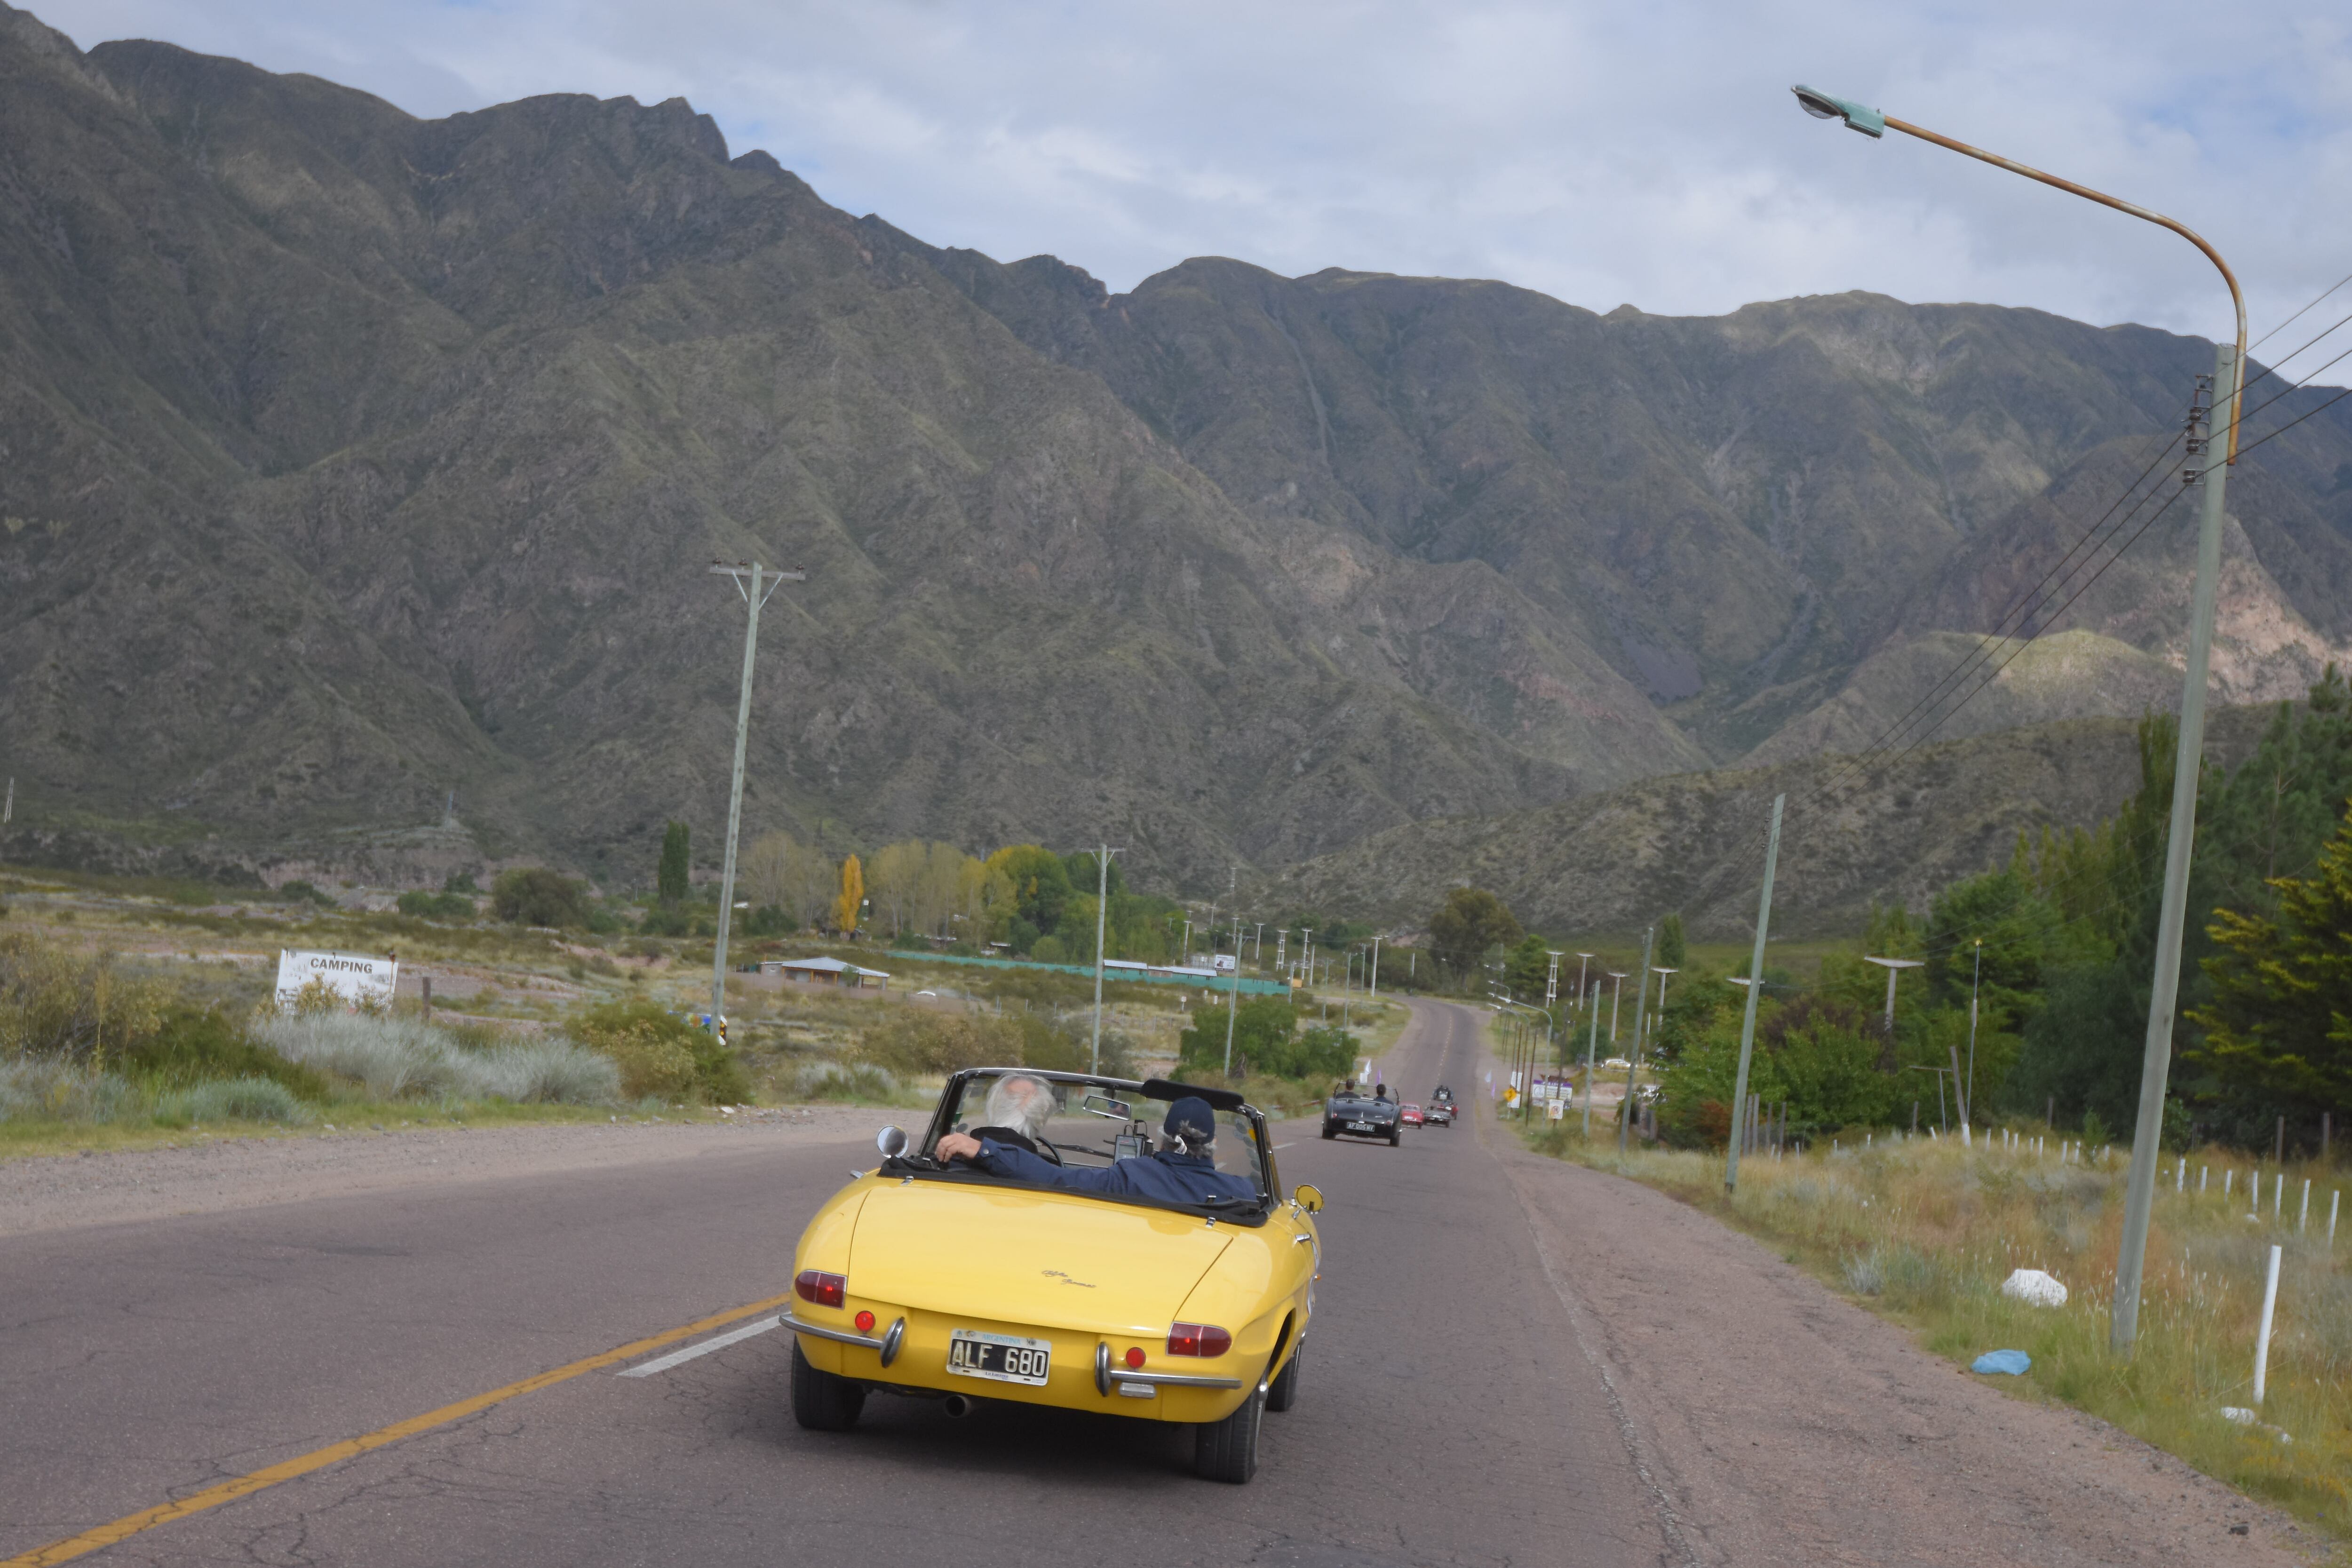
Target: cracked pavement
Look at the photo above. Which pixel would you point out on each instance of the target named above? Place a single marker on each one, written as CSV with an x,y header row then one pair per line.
x,y
1513,1360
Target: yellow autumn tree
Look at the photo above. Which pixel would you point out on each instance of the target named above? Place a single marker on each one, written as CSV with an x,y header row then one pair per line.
x,y
853,894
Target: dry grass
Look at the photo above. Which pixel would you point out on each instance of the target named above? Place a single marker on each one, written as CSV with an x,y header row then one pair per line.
x,y
1925,1233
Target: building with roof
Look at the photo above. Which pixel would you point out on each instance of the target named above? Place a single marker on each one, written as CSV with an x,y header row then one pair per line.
x,y
825,972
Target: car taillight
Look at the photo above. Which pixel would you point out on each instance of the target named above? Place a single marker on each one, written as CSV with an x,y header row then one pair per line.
x,y
825,1290
864,1321
1198,1338
1135,1355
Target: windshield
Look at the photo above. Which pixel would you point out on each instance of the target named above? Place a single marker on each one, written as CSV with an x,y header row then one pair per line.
x,y
1095,1122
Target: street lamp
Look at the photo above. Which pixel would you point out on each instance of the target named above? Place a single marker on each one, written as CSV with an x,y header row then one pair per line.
x,y
2212,476
1894,967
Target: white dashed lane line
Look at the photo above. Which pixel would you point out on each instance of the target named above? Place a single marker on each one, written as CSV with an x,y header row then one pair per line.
x,y
716,1343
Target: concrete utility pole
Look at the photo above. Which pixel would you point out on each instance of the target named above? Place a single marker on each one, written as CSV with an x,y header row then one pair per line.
x,y
1591,1043
1755,984
1233,998
1376,968
1634,1063
1102,907
1616,993
1583,959
2211,474
756,596
1894,967
1975,986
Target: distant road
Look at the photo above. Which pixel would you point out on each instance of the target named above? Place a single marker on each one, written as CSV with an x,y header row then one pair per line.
x,y
1513,1362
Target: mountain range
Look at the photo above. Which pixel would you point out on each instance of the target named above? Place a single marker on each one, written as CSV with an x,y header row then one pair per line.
x,y
350,462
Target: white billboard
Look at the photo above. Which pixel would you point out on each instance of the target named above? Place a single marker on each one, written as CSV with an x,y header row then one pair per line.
x,y
356,977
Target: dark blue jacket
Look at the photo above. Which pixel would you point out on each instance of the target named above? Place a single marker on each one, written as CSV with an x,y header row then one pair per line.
x,y
1171,1178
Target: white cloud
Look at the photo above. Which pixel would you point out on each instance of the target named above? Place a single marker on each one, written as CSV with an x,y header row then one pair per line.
x,y
1601,152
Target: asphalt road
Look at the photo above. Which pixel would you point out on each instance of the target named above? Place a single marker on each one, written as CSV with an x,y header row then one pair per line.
x,y
1444,1416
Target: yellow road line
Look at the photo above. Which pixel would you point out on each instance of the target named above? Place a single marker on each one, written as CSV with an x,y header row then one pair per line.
x,y
122,1529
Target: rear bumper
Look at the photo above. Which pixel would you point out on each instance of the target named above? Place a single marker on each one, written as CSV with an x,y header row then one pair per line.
x,y
908,1352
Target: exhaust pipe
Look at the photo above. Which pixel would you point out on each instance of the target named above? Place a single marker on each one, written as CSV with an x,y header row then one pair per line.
x,y
958,1406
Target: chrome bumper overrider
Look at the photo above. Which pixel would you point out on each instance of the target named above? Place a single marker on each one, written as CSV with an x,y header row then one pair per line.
x,y
1106,1374
887,1342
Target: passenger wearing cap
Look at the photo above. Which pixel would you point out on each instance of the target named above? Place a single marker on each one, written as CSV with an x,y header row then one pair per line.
x,y
1182,1173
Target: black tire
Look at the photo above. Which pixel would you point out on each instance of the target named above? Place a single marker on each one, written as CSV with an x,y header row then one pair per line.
x,y
821,1401
1227,1450
1283,1392
1396,1136
1329,1131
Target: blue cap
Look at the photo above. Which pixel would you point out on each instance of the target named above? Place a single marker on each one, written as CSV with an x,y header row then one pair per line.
x,y
1191,1119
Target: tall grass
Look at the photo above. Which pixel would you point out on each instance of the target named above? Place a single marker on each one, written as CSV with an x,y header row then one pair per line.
x,y
397,1059
1926,1231
41,1090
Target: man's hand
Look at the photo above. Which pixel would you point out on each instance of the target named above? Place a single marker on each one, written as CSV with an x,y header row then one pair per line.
x,y
958,1146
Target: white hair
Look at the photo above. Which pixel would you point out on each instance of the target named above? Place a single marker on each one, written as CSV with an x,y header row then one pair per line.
x,y
1021,1102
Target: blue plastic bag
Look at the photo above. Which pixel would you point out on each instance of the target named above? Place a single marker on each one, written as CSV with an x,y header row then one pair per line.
x,y
2016,1364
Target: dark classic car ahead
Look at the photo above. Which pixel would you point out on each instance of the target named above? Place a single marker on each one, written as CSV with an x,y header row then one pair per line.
x,y
1358,1115
1440,1107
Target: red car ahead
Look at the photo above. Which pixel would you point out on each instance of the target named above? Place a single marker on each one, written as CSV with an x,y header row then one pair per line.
x,y
1410,1114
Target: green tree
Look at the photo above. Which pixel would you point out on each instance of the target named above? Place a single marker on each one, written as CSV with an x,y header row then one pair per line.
x,y
1464,926
1041,884
1263,1038
677,864
1527,969
2279,1029
1672,950
535,896
1084,877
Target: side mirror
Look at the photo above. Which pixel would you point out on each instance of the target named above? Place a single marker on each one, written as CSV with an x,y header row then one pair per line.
x,y
891,1142
1308,1198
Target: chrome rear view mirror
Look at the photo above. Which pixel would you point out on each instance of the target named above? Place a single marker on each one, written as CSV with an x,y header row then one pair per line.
x,y
891,1142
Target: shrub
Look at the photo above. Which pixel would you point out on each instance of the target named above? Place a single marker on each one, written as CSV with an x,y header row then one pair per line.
x,y
926,1043
190,1045
68,1006
391,1057
770,920
677,919
231,1100
842,1080
535,896
659,1053
304,893
438,906
553,1072
52,1091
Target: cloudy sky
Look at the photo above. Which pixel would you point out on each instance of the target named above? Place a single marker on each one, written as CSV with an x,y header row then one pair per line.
x,y
1605,153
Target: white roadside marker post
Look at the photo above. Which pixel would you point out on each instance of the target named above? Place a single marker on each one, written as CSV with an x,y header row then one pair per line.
x,y
2262,1336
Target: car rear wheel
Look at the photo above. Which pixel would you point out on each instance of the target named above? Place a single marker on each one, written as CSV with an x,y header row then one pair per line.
x,y
1227,1450
821,1401
1396,1136
1283,1392
1329,1131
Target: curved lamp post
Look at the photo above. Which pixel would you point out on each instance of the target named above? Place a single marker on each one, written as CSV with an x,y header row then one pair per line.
x,y
2230,372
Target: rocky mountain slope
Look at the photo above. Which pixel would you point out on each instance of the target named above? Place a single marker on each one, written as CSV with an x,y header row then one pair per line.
x,y
349,459
1898,829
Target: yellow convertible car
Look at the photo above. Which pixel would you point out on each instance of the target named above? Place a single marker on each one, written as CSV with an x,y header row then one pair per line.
x,y
1059,1238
